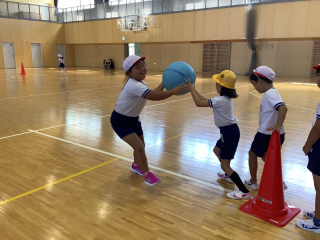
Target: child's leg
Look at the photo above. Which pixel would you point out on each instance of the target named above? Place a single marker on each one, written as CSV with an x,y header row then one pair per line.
x,y
316,180
216,151
139,154
253,166
142,140
225,165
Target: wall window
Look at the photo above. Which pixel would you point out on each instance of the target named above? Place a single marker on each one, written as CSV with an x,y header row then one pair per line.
x,y
75,3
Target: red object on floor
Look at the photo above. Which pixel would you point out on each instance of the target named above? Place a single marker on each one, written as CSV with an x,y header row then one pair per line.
x,y
269,204
23,72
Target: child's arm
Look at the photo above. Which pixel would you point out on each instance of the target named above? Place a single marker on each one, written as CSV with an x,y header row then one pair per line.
x,y
200,96
159,88
314,135
281,116
161,95
197,98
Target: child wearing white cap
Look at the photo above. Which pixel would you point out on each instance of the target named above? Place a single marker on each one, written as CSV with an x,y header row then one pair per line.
x,y
125,117
312,149
272,114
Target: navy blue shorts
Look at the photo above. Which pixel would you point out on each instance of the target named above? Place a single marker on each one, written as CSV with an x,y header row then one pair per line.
x,y
124,125
314,158
260,143
228,143
61,65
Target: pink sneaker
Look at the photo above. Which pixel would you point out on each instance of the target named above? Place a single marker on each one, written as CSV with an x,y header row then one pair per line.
x,y
136,170
151,179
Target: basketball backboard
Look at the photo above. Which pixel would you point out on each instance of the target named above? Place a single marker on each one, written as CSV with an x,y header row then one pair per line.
x,y
135,23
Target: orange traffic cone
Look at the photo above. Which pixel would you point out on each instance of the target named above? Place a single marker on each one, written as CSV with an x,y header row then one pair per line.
x,y
23,72
269,204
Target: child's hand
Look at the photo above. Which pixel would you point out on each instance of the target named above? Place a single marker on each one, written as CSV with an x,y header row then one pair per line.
x,y
275,128
306,150
180,89
189,84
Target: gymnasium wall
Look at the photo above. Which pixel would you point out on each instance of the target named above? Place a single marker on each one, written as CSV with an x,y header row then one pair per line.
x,y
23,32
281,20
93,55
286,58
160,55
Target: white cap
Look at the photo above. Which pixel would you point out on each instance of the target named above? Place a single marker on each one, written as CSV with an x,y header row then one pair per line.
x,y
129,61
265,72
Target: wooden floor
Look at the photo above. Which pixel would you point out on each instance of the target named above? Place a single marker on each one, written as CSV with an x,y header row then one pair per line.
x,y
64,173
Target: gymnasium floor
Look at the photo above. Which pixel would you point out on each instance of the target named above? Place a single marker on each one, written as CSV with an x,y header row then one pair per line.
x,y
66,175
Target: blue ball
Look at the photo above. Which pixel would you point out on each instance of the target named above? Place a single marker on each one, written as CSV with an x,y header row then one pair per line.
x,y
175,74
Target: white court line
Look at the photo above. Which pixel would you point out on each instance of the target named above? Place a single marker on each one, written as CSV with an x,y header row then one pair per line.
x,y
67,124
14,135
130,160
43,94
109,115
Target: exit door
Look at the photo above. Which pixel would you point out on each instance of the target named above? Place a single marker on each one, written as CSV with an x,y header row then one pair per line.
x,y
8,55
36,55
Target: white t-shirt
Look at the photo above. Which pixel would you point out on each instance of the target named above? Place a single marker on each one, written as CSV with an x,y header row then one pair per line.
x,y
268,116
131,99
222,111
317,115
61,60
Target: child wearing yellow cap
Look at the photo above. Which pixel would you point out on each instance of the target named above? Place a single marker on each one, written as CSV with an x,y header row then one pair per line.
x,y
226,146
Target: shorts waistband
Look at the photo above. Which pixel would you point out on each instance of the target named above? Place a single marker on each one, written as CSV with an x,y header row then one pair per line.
x,y
229,127
119,116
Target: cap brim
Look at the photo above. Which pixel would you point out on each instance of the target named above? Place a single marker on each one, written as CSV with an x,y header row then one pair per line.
x,y
216,79
142,58
316,67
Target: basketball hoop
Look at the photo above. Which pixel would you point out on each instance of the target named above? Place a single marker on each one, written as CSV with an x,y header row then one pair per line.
x,y
135,23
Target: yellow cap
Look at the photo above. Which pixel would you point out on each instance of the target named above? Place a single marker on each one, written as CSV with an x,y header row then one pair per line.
x,y
226,79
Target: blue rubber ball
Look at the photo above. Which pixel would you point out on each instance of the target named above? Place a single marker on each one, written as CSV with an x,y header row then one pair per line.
x,y
175,74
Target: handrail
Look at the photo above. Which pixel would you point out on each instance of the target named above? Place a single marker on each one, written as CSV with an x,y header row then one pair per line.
x,y
116,9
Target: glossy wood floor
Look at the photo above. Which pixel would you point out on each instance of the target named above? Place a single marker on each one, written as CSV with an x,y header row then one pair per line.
x,y
64,174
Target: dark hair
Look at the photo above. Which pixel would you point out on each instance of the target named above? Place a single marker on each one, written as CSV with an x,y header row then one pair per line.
x,y
255,78
318,70
126,78
230,93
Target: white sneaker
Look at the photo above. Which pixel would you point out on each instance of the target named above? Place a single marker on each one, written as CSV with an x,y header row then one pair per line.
x,y
239,195
309,214
223,176
253,186
285,187
308,225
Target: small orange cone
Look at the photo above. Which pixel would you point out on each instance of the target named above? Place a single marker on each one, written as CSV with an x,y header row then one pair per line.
x,y
23,72
269,204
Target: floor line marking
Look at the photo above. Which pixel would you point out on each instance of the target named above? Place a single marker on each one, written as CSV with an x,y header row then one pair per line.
x,y
42,129
14,135
44,94
123,157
